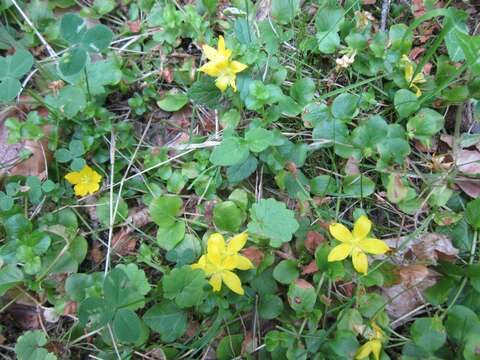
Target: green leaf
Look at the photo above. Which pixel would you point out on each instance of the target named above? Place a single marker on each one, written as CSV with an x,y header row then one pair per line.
x,y
172,102
103,209
329,19
204,92
73,61
473,213
97,38
301,296
231,151
344,343
126,326
16,65
9,88
428,333
17,226
76,148
328,42
286,271
169,237
270,306
358,186
237,173
303,90
103,7
424,125
167,319
470,46
30,346
186,286
323,185
227,216
63,155
345,106
272,220
164,210
406,103
78,164
96,311
284,10
229,347
461,322
10,276
72,28
70,100
258,139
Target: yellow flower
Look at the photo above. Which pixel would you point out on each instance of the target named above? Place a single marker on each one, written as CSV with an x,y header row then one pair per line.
x,y
356,244
412,81
221,259
220,65
373,346
86,181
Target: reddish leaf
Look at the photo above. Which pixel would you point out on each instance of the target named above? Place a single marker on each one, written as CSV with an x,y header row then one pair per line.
x,y
314,239
254,254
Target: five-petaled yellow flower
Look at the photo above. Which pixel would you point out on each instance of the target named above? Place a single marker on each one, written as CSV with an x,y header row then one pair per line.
x,y
221,66
372,346
356,244
221,259
86,181
412,81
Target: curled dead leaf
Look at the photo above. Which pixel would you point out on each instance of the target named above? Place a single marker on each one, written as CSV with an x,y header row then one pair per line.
x,y
351,167
469,186
468,162
407,295
311,268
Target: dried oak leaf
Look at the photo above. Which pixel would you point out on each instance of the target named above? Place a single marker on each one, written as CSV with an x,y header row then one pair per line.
x,y
407,295
468,162
471,187
254,254
311,268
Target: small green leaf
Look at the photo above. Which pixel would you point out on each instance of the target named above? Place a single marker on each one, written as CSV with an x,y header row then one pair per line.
x,y
72,28
229,347
272,220
424,125
323,185
204,92
428,333
258,139
30,346
186,286
231,151
126,326
227,216
301,296
345,106
285,10
169,237
358,186
286,271
270,306
406,103
63,155
167,319
172,102
164,210
73,61
103,209
303,90
10,276
237,173
473,213
9,88
97,39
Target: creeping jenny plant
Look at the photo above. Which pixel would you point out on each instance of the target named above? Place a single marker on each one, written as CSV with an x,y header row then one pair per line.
x,y
356,243
221,259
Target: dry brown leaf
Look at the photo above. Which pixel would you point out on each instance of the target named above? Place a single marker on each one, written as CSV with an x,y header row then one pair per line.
x,y
26,317
408,294
35,165
254,254
123,243
351,167
471,187
447,139
468,162
427,248
70,308
263,9
134,26
313,240
311,268
369,2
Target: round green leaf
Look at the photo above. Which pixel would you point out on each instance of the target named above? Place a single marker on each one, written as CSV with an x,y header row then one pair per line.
x,y
286,271
229,347
406,103
165,209
169,237
473,213
186,286
97,38
126,325
72,28
231,151
9,88
358,186
270,306
103,209
301,296
167,319
345,106
172,102
428,333
73,61
227,216
323,185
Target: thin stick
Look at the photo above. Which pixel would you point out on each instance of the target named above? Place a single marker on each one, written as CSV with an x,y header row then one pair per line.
x,y
50,50
112,215
385,11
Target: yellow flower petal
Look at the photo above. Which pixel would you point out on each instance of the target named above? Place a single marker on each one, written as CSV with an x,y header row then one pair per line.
x,y
200,264
210,53
376,346
373,246
73,177
216,282
418,92
81,189
211,68
237,66
237,243
232,281
339,252
243,263
222,82
364,351
216,244
362,227
340,232
360,261
229,263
